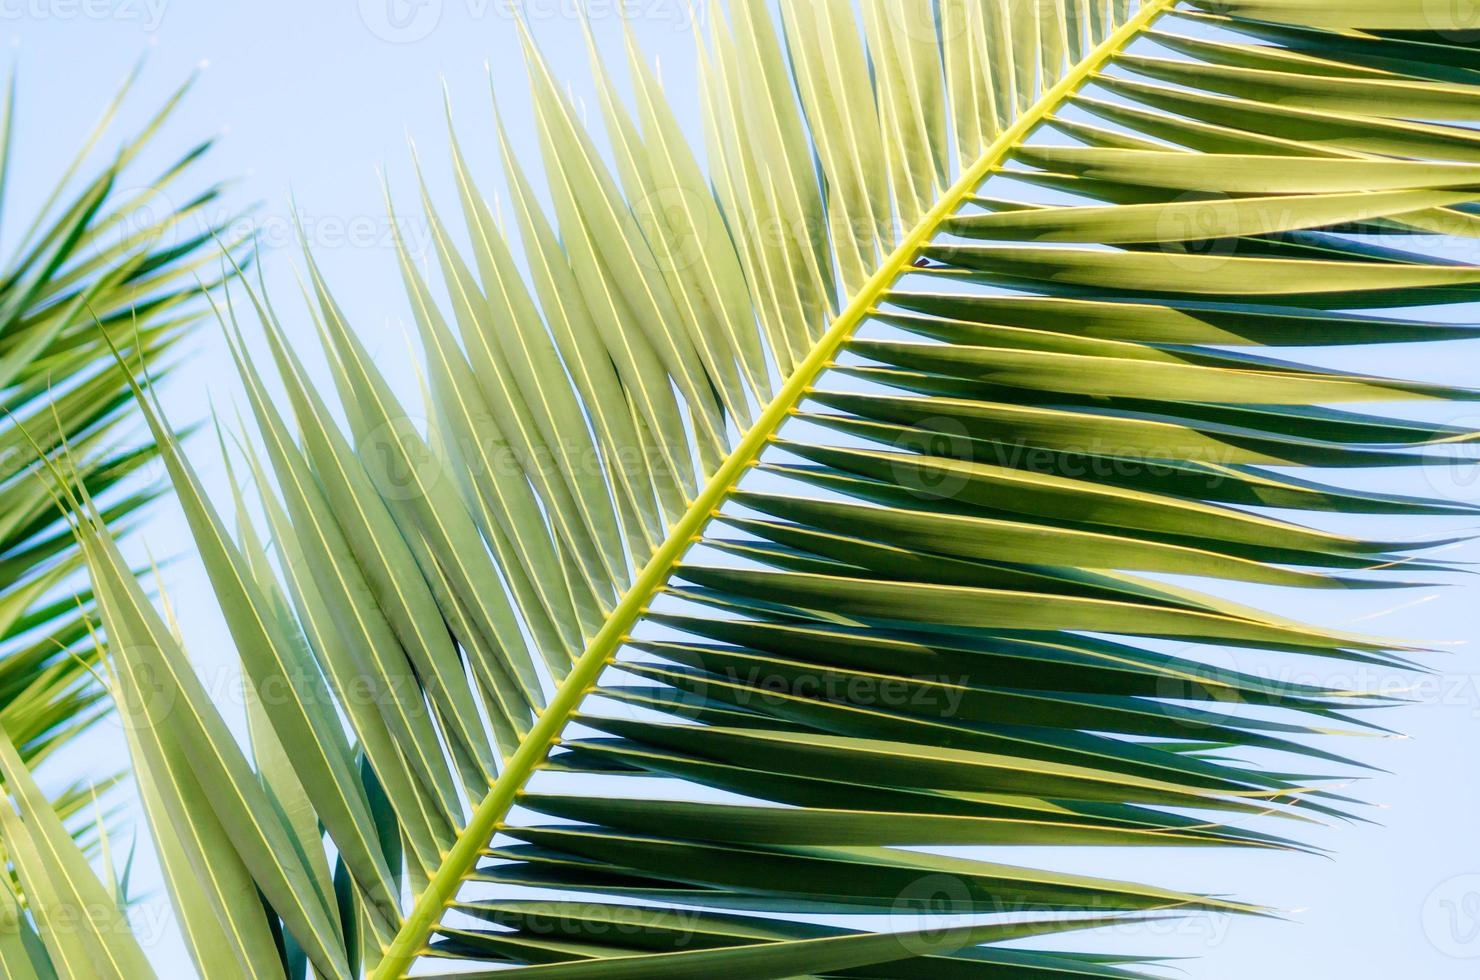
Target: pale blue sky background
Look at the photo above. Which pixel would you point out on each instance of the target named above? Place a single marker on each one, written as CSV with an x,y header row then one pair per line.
x,y
315,96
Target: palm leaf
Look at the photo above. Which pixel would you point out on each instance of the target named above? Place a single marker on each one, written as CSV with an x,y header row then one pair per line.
x,y
85,272
783,523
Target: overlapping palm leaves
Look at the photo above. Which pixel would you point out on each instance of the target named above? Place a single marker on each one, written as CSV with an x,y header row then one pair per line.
x,y
782,522
95,257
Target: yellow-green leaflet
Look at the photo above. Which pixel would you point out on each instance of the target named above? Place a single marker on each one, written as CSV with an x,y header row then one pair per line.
x,y
888,474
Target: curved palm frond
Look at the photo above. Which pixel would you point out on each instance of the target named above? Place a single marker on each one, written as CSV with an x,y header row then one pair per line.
x,y
100,259
781,525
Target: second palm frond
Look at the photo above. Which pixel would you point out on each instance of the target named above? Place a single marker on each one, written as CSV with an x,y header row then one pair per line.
x,y
785,521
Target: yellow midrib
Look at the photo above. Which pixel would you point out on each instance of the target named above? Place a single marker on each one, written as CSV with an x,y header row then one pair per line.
x,y
429,906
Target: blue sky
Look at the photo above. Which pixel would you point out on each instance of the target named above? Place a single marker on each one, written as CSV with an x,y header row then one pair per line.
x,y
318,99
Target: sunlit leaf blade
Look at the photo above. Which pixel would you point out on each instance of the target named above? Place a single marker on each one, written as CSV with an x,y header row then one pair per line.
x,y
82,927
93,263
874,488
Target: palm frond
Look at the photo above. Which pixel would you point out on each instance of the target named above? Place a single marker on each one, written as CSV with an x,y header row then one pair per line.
x,y
789,521
95,260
